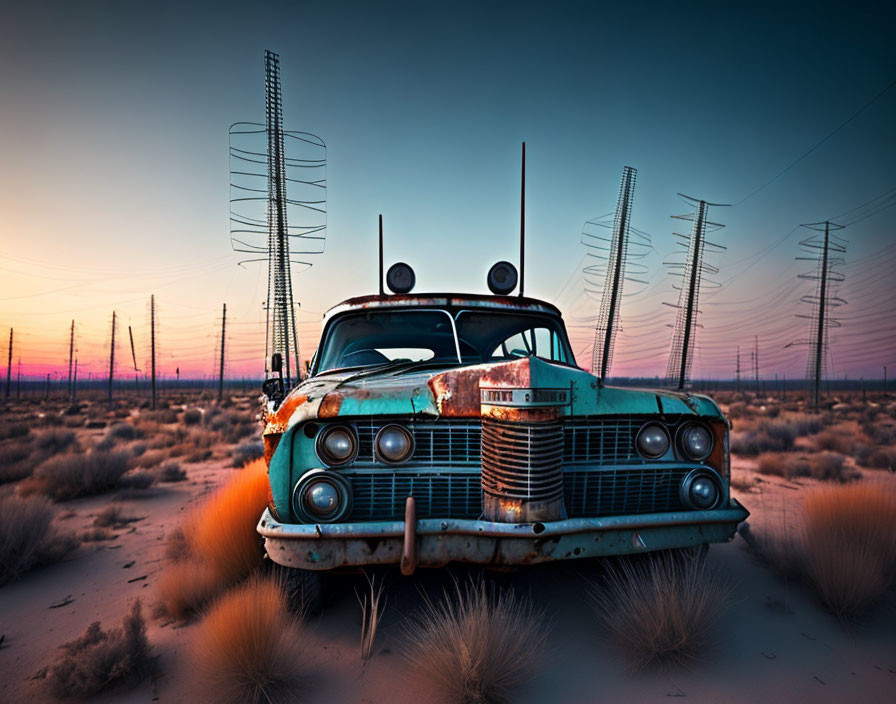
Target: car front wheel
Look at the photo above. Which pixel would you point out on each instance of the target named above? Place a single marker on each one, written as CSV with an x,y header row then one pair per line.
x,y
304,588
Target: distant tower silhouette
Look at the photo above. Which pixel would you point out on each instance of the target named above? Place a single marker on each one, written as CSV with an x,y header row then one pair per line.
x,y
821,249
277,210
691,271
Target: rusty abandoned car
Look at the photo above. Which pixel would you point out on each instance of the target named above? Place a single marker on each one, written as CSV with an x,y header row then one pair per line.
x,y
437,428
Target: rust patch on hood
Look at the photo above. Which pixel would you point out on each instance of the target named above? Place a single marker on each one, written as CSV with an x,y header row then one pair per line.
x,y
456,392
330,405
278,421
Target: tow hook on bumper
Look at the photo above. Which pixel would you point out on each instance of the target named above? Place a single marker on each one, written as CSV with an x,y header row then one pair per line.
x,y
409,551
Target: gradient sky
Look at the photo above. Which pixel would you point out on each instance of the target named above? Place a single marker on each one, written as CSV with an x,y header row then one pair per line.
x,y
114,178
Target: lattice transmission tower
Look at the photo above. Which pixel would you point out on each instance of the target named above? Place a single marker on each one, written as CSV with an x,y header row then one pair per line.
x,y
278,210
609,261
691,270
822,248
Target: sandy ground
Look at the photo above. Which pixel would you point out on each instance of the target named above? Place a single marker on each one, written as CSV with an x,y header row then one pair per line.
x,y
774,643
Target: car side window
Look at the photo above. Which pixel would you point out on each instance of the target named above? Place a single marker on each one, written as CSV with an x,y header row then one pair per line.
x,y
540,342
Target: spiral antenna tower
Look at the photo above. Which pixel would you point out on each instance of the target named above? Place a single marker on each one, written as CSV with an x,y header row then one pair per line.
x,y
278,211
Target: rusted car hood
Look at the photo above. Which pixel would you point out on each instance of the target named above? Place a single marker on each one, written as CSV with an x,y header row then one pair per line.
x,y
457,392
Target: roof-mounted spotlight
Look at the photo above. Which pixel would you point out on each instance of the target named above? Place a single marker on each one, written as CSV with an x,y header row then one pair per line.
x,y
400,278
502,278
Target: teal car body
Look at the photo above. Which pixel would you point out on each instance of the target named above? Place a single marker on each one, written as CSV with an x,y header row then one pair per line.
x,y
479,451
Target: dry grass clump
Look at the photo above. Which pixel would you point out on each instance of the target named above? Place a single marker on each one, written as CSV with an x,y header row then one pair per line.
x,y
100,660
779,464
831,466
660,607
137,479
15,461
850,545
833,441
476,645
27,537
767,436
9,431
221,544
192,416
70,476
249,648
52,442
171,472
247,452
112,517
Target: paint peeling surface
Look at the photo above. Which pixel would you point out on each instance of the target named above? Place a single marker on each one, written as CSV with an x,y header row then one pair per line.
x,y
563,476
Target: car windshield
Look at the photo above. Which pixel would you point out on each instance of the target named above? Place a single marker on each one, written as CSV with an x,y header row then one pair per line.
x,y
379,337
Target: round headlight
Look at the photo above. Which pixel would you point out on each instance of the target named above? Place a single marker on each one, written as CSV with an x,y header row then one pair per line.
x,y
321,496
701,490
652,441
394,444
696,441
336,445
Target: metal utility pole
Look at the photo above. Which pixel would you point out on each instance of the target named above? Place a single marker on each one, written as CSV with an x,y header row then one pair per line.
x,y
756,361
221,369
152,345
692,270
523,222
134,360
75,382
823,248
112,358
608,317
71,355
737,372
9,363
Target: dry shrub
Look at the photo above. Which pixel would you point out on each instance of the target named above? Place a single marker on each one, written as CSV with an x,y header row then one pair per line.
x,y
192,416
850,545
830,466
100,660
476,645
221,542
27,537
15,461
151,458
14,430
246,452
834,442
222,531
249,649
882,458
186,586
112,516
52,442
660,607
139,479
70,476
171,472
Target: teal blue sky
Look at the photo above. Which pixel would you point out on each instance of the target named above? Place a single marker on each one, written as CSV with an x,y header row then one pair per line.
x,y
114,139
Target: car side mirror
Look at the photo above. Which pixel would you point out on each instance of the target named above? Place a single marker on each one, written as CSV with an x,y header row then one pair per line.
x,y
273,389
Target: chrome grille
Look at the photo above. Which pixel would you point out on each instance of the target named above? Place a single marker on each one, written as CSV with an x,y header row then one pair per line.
x,y
379,495
522,460
439,443
618,491
606,441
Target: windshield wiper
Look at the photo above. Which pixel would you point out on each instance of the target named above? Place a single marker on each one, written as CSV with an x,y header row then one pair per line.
x,y
367,371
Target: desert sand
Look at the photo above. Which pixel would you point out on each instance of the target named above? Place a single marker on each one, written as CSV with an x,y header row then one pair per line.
x,y
774,642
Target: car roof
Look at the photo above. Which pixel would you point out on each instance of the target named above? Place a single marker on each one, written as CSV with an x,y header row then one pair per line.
x,y
443,300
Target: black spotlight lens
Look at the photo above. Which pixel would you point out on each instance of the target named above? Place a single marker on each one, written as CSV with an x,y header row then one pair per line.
x,y
502,278
400,278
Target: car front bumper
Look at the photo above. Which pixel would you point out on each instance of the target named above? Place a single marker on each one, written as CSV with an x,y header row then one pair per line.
x,y
437,542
